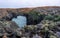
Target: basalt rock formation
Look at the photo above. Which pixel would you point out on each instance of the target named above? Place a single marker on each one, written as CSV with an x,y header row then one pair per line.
x,y
9,13
35,16
7,27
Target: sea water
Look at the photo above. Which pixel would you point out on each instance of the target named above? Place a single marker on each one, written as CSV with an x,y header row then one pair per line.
x,y
20,21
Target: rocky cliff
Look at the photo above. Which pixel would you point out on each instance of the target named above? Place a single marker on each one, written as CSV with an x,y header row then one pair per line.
x,y
9,13
40,16
6,11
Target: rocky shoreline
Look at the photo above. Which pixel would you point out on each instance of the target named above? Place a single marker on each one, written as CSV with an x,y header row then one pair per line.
x,y
42,22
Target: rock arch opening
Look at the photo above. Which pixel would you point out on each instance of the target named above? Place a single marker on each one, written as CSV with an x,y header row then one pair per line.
x,y
21,21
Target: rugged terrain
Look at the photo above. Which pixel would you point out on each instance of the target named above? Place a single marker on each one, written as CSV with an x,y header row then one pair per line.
x,y
9,13
46,9
44,21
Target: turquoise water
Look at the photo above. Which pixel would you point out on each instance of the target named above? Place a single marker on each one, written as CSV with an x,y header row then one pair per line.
x,y
20,21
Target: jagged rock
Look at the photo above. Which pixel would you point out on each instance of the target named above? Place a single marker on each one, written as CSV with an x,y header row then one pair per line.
x,y
5,11
7,27
37,36
50,9
8,14
58,34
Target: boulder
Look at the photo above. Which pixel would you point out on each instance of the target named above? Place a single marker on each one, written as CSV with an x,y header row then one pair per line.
x,y
7,27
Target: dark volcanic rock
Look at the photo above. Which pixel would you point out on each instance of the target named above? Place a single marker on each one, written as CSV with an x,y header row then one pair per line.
x,y
5,11
9,13
8,27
